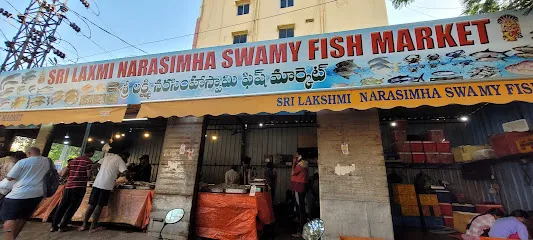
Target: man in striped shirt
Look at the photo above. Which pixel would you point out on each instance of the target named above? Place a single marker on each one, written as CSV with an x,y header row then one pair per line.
x,y
79,172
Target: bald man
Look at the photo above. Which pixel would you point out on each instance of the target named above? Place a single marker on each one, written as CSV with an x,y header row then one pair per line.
x,y
27,192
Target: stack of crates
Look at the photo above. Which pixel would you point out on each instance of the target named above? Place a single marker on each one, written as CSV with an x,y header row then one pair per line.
x,y
431,210
405,206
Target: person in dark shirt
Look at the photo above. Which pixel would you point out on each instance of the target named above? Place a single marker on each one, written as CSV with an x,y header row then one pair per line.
x,y
79,172
143,172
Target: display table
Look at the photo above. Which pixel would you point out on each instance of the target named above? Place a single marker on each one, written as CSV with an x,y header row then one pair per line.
x,y
125,206
232,216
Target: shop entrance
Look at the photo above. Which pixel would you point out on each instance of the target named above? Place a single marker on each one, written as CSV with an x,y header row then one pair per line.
x,y
449,164
260,148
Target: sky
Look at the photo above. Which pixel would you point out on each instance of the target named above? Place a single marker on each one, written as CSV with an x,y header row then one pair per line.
x,y
165,27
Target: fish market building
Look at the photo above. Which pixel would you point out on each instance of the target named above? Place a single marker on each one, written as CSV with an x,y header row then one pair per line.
x,y
369,109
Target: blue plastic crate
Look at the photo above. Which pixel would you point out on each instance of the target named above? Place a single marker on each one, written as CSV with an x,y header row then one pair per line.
x,y
412,222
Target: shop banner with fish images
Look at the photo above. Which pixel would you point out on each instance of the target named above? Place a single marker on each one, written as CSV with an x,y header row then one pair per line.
x,y
489,47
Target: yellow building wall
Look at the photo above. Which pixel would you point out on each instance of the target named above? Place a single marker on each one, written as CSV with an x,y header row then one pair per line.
x,y
219,19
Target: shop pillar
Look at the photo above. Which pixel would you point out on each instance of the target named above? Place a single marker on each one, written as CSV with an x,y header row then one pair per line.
x,y
176,178
43,138
354,200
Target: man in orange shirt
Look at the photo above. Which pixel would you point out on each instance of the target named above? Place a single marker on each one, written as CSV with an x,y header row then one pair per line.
x,y
299,187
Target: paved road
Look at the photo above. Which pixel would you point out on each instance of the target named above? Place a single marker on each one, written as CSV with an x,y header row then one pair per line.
x,y
38,231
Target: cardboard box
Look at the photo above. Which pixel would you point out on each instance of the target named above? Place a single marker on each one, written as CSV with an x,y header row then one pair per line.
x,y
505,144
435,135
403,189
525,144
464,153
406,200
410,211
428,199
461,219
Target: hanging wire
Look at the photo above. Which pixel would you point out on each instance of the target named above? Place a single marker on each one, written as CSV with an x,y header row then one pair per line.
x,y
214,29
97,7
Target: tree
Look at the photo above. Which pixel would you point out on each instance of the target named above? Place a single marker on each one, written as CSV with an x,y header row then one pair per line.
x,y
471,7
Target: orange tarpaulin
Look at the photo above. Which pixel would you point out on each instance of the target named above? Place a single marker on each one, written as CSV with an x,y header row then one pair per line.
x,y
75,115
232,216
47,205
125,206
410,96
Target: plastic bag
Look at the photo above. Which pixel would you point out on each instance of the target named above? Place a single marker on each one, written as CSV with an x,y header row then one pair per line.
x,y
6,186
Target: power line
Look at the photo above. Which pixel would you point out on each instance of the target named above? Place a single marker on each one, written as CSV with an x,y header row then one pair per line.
x,y
437,8
4,34
114,35
422,13
9,23
210,30
12,6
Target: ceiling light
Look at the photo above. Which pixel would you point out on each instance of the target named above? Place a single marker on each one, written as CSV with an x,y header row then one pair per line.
x,y
214,137
260,124
123,134
102,142
464,119
146,134
393,124
117,136
89,139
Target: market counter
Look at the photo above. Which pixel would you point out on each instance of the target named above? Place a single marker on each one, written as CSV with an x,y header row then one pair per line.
x,y
125,206
232,216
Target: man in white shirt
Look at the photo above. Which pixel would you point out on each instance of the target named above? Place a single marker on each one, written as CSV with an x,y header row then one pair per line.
x,y
27,192
232,176
110,168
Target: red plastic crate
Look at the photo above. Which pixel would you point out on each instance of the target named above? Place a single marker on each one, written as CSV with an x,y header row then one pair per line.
x,y
416,146
448,221
484,208
399,135
435,135
426,211
446,209
429,146
401,146
446,158
436,211
504,144
406,157
419,157
444,147
432,157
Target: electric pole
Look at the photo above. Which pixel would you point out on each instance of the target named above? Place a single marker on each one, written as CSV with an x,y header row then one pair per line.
x,y
34,39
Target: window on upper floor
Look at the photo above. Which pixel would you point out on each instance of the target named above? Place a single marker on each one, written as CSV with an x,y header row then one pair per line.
x,y
240,38
243,9
287,3
286,32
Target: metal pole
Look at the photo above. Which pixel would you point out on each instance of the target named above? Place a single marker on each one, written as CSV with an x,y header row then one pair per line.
x,y
85,137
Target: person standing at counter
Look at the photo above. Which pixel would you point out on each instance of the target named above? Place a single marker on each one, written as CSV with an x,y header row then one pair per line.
x,y
299,187
232,176
271,177
79,172
110,168
143,171
27,193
